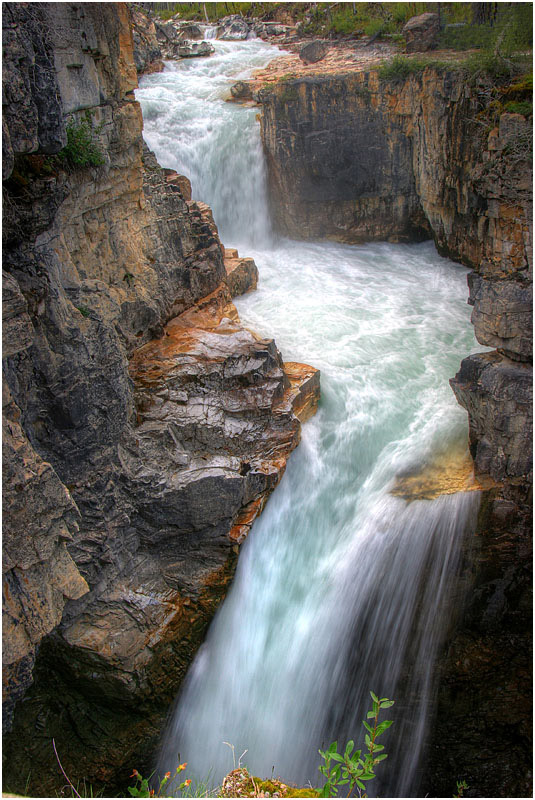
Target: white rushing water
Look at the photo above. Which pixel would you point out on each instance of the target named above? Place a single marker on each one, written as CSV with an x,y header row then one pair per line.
x,y
340,587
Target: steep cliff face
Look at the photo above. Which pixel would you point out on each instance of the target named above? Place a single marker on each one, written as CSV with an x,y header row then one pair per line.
x,y
354,158
143,426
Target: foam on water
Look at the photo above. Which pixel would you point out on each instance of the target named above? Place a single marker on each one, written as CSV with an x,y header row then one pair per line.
x,y
341,587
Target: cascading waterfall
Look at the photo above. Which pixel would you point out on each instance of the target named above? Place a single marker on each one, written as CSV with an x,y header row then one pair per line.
x,y
341,587
210,32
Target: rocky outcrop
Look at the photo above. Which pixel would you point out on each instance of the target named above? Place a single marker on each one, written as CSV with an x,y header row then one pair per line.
x,y
147,51
144,428
233,28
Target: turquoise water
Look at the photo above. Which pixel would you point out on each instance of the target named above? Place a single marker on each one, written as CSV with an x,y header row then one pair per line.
x,y
341,587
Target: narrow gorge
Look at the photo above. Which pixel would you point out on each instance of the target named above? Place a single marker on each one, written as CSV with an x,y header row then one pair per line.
x,y
149,415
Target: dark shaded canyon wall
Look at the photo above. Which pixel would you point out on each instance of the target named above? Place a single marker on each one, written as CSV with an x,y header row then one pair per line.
x,y
136,452
354,158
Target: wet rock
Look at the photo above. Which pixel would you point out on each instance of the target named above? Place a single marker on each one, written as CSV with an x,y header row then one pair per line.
x,y
313,52
194,49
242,273
232,28
191,32
241,91
421,33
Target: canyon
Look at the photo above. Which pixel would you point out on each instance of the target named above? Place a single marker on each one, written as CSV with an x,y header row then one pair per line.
x,y
145,427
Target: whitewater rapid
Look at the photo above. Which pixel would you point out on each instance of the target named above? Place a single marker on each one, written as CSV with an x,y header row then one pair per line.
x,y
341,588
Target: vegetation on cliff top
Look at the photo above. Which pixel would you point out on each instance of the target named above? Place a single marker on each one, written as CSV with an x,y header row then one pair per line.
x,y
464,25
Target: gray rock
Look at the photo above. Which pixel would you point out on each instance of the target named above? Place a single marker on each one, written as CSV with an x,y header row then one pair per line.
x,y
503,315
233,28
194,49
313,52
421,33
497,393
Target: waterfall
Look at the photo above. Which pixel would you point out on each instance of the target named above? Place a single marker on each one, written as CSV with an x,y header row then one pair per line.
x,y
210,32
341,587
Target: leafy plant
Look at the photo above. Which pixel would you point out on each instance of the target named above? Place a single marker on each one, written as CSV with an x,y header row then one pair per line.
x,y
352,768
462,786
81,150
141,786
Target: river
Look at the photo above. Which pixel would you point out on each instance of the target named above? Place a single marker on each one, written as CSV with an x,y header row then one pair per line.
x,y
341,588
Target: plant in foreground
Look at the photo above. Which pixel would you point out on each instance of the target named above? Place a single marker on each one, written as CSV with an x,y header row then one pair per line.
x,y
352,769
141,787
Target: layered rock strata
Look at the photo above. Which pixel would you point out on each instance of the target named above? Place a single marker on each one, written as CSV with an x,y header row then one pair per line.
x,y
144,428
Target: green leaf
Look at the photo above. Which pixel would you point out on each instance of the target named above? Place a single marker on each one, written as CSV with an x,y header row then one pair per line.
x,y
337,757
333,748
325,792
367,776
377,748
386,703
380,758
360,784
349,746
374,697
370,715
368,741
342,783
383,726
367,726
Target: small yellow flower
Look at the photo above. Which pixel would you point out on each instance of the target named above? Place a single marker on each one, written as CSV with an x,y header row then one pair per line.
x,y
187,782
167,775
134,774
182,766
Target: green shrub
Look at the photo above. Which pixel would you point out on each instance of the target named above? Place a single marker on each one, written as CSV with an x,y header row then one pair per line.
x,y
400,68
519,107
81,150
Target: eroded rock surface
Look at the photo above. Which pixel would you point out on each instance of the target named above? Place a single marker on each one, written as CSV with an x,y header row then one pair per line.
x,y
144,428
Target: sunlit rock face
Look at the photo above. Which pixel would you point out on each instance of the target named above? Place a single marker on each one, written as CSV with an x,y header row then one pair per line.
x,y
133,467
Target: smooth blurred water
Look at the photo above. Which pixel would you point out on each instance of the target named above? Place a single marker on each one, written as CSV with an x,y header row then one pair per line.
x,y
341,588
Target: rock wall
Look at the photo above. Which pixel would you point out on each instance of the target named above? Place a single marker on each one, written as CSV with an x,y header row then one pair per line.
x,y
356,158
144,428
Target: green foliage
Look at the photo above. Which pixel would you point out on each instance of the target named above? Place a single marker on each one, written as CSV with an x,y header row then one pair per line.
x,y
511,29
84,311
378,26
462,786
490,65
81,149
400,68
141,786
519,107
352,768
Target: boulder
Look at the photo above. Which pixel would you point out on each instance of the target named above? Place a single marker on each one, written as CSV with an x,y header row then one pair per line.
x,y
191,32
194,49
313,52
233,28
241,91
421,33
